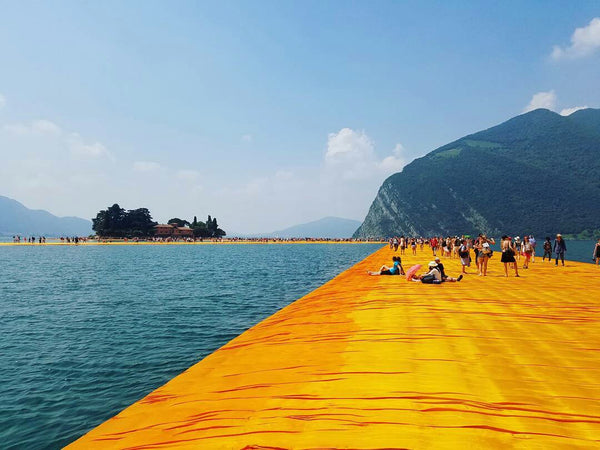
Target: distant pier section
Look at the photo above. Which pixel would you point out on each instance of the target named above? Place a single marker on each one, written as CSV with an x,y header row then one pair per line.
x,y
369,362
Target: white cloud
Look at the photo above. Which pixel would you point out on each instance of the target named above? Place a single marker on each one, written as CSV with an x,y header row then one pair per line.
x,y
45,127
247,138
395,162
545,100
351,154
146,166
584,42
87,150
2,101
569,111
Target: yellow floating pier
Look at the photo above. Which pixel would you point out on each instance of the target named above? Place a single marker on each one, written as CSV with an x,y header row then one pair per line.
x,y
377,362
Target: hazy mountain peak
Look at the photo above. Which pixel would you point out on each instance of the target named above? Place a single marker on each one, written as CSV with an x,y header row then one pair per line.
x,y
16,218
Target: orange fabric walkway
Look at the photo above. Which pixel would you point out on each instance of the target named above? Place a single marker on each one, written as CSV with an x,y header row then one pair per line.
x,y
377,362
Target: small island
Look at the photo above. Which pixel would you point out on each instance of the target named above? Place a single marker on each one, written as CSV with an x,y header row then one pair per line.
x,y
116,222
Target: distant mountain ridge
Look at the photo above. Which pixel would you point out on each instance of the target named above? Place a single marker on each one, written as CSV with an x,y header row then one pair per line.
x,y
327,227
539,171
16,219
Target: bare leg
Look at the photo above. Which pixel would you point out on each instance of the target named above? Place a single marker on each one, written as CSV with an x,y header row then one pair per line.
x,y
506,269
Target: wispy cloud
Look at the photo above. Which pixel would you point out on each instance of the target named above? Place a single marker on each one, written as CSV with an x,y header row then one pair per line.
x,y
545,100
247,138
83,149
2,101
584,42
46,129
36,127
569,111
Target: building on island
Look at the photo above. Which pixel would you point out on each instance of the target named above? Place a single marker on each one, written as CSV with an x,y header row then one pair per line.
x,y
172,231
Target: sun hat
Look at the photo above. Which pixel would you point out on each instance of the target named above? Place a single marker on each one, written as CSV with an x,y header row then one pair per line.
x,y
432,264
559,235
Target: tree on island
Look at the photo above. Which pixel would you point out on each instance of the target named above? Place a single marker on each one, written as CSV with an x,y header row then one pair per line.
x,y
210,229
178,222
116,222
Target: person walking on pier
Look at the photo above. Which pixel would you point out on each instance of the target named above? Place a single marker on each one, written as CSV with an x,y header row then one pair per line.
x,y
464,255
560,248
485,253
547,249
508,255
527,250
433,242
597,253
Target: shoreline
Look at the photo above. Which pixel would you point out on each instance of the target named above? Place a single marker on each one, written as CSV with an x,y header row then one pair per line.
x,y
270,241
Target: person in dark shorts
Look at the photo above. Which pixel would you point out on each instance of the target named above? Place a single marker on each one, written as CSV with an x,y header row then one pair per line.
x,y
445,277
547,249
508,255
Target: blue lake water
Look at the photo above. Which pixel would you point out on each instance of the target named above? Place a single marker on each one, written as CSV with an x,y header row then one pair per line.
x,y
86,331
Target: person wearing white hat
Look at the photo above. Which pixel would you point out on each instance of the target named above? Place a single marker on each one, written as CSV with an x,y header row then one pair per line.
x,y
434,276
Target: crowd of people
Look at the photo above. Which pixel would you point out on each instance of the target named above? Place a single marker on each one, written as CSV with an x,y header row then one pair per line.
x,y
42,239
478,250
29,239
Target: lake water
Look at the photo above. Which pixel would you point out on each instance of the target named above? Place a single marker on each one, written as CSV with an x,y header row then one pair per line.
x,y
88,330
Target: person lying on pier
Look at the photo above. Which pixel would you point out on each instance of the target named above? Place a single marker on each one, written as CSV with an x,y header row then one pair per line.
x,y
396,269
445,277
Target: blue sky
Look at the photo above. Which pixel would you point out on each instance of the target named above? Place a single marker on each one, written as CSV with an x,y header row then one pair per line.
x,y
266,114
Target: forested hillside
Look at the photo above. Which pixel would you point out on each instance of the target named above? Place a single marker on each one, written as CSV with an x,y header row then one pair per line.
x,y
538,172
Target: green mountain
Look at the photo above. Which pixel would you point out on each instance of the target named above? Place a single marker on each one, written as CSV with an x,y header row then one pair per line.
x,y
15,219
537,172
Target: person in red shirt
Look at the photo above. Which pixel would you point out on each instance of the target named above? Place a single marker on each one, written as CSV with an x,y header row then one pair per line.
x,y
433,243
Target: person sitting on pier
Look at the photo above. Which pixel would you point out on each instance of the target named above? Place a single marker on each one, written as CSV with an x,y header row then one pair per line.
x,y
434,276
396,269
445,277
